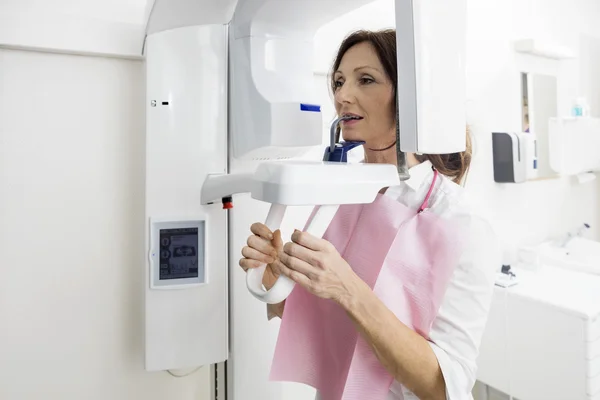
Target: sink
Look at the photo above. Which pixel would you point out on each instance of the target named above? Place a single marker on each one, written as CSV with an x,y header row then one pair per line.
x,y
579,254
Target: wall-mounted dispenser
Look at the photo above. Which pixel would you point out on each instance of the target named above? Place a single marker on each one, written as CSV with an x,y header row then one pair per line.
x,y
510,161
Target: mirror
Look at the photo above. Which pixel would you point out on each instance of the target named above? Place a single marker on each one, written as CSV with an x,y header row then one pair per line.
x,y
539,103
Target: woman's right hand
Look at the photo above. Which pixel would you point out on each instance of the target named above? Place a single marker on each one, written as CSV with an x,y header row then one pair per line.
x,y
263,247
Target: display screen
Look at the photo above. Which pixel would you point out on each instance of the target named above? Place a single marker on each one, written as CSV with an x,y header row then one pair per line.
x,y
178,254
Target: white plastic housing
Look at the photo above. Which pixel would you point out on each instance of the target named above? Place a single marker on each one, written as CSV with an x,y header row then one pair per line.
x,y
304,183
431,40
186,322
310,183
270,80
163,15
274,104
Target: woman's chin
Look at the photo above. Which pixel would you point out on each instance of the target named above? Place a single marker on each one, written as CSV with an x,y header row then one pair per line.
x,y
350,133
352,138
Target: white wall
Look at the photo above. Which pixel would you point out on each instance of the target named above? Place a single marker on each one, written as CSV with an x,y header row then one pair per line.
x,y
71,232
531,211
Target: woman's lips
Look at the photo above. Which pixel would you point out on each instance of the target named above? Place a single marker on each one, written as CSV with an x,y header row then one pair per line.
x,y
351,121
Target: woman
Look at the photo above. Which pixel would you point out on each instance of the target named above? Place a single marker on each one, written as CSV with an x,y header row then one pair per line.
x,y
437,362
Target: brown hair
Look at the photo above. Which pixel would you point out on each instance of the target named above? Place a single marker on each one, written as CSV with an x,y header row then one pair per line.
x,y
454,165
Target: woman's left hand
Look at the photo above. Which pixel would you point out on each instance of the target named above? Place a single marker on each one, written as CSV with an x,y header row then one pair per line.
x,y
316,265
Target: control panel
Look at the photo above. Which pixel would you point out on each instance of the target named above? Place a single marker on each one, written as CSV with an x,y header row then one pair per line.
x,y
178,254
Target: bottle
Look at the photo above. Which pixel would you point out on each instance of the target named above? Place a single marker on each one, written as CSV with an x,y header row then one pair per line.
x,y
580,108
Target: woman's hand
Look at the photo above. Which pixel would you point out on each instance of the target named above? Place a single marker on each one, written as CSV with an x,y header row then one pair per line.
x,y
263,248
317,266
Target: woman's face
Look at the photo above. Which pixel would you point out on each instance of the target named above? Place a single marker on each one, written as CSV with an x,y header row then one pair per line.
x,y
363,89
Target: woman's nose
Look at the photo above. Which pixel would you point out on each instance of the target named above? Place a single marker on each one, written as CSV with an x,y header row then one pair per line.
x,y
344,94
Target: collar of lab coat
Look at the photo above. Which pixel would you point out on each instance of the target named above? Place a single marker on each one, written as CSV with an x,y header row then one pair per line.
x,y
418,174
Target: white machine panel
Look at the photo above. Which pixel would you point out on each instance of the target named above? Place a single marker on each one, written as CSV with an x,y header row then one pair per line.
x,y
186,297
277,117
275,113
431,45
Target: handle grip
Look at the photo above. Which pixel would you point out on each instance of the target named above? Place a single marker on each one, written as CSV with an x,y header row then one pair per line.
x,y
283,285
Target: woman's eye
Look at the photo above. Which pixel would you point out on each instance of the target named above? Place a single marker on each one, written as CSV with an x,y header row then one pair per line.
x,y
338,83
366,80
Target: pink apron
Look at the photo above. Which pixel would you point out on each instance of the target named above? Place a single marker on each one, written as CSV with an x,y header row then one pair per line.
x,y
407,257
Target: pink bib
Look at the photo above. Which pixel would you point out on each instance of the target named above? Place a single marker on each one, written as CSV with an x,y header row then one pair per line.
x,y
407,257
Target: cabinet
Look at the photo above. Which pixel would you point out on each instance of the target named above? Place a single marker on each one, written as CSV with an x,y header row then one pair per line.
x,y
574,145
542,340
